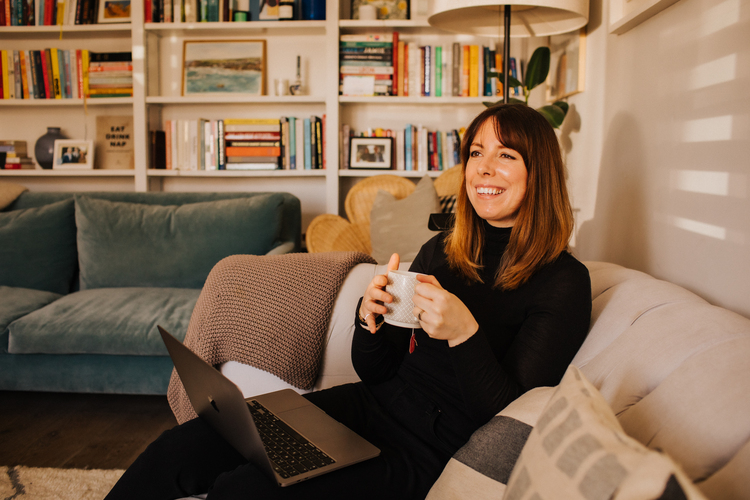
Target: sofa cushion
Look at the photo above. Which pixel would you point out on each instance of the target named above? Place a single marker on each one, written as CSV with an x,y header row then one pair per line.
x,y
481,468
400,226
577,450
118,321
17,302
129,244
39,247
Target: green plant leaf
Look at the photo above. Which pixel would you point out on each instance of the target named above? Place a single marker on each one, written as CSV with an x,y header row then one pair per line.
x,y
538,67
562,105
511,81
554,114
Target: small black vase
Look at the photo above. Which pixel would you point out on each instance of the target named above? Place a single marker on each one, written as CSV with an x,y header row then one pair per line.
x,y
44,148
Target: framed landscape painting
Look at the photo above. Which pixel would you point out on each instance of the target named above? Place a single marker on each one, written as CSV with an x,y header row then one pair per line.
x,y
224,67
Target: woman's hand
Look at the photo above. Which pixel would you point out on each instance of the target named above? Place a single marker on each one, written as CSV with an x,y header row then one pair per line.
x,y
441,314
375,295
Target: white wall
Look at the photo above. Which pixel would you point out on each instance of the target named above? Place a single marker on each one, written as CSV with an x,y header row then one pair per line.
x,y
658,148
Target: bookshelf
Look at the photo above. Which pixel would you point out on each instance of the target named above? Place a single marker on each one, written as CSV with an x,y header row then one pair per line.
x,y
157,70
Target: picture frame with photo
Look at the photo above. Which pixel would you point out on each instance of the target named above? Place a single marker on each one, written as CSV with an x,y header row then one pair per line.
x,y
567,69
224,67
71,154
370,152
114,11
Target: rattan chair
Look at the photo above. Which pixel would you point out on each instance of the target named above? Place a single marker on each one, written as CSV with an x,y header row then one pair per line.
x,y
332,233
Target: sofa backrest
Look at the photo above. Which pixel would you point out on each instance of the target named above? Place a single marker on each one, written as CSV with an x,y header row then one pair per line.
x,y
291,229
675,369
127,239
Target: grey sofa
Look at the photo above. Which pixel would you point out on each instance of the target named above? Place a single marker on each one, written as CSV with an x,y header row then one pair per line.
x,y
672,370
86,277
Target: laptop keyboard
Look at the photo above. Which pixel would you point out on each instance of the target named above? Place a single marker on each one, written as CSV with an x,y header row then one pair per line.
x,y
290,453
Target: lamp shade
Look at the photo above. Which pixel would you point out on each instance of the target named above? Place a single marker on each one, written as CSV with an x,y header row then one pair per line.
x,y
528,18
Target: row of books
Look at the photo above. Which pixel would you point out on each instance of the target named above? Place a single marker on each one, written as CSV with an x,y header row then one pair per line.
x,y
65,74
193,11
14,155
288,143
414,148
53,12
386,64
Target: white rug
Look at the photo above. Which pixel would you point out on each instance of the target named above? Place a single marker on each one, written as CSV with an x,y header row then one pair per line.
x,y
27,483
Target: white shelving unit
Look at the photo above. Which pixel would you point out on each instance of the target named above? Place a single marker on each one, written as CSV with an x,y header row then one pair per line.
x,y
157,70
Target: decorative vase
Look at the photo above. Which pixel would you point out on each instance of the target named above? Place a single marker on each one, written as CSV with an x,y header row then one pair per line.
x,y
44,149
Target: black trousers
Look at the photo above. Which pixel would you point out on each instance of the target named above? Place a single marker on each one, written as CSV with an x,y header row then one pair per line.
x,y
193,459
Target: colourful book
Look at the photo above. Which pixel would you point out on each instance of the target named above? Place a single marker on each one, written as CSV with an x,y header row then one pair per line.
x,y
6,74
67,79
465,71
308,148
252,136
292,145
252,151
473,70
56,73
24,77
394,63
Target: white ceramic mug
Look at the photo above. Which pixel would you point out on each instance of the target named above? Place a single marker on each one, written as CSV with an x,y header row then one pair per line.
x,y
401,287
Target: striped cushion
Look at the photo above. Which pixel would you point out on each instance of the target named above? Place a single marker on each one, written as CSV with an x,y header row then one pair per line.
x,y
481,468
578,450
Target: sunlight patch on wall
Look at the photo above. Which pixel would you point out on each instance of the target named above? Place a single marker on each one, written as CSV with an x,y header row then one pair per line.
x,y
713,72
694,226
719,17
707,182
717,128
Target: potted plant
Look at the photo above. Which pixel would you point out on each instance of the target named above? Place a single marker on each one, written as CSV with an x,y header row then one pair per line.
x,y
536,73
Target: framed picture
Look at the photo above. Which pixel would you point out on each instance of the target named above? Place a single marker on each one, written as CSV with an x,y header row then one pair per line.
x,y
627,14
370,152
114,11
384,9
224,67
72,154
567,66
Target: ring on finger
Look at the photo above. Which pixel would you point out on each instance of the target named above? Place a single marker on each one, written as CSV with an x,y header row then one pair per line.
x,y
419,316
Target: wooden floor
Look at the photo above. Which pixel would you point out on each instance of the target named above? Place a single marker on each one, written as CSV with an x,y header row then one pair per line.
x,y
83,431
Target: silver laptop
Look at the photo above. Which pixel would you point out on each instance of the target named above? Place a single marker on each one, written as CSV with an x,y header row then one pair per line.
x,y
282,433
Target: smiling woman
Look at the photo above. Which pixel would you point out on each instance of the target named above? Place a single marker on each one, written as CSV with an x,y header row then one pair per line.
x,y
511,150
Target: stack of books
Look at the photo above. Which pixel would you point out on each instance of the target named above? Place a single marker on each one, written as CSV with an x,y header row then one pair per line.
x,y
286,143
13,155
252,144
110,74
367,64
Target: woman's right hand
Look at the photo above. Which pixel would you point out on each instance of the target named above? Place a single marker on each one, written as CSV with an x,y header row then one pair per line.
x,y
375,295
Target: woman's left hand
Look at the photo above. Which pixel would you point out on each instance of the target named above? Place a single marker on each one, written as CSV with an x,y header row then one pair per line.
x,y
441,314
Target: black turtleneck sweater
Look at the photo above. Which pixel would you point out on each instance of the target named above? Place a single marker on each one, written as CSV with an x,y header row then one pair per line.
x,y
526,338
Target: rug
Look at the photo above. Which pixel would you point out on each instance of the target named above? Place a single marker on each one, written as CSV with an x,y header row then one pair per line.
x,y
27,483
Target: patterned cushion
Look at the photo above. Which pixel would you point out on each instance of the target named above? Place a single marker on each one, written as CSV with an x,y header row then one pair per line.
x,y
481,468
578,450
448,204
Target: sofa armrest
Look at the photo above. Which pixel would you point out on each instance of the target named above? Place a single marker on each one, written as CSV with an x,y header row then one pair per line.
x,y
286,247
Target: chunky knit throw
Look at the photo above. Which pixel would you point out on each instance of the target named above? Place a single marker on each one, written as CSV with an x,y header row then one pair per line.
x,y
269,312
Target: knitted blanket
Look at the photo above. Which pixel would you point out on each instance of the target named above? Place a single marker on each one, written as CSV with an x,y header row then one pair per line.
x,y
269,312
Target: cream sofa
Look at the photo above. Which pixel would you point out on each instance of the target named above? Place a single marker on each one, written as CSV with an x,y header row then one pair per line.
x,y
674,369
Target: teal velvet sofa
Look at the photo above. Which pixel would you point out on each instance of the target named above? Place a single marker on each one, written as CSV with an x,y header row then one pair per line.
x,y
86,277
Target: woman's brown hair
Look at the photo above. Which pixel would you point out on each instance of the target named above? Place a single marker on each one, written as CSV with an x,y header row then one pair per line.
x,y
544,222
